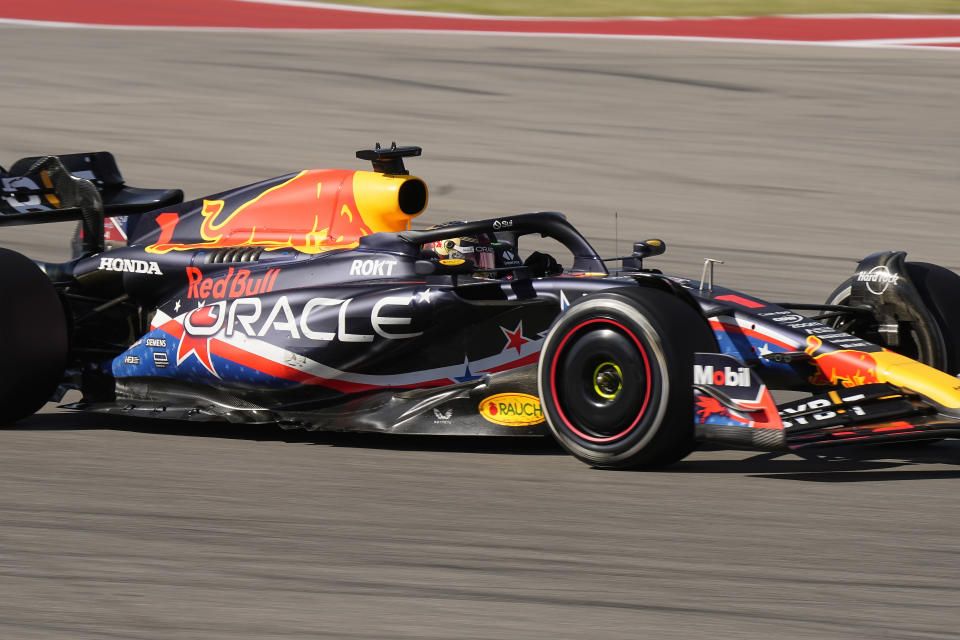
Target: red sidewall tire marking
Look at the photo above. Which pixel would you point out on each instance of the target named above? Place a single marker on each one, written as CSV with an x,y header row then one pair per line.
x,y
553,381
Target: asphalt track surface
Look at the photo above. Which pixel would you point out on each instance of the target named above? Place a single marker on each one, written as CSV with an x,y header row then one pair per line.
x,y
786,162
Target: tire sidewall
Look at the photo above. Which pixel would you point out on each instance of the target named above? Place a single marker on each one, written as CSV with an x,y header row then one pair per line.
x,y
35,337
616,311
648,315
841,295
939,290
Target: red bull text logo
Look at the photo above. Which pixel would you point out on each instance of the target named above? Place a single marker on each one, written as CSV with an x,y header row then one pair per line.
x,y
234,284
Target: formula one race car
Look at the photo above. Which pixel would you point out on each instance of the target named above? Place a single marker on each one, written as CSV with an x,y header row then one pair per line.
x,y
308,301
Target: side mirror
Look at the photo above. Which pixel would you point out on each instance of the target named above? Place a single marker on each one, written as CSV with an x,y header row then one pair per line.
x,y
648,248
641,250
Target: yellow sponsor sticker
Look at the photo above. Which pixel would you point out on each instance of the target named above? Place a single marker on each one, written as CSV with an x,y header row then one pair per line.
x,y
512,409
452,262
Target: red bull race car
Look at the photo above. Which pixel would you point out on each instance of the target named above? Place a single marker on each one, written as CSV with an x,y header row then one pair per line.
x,y
309,301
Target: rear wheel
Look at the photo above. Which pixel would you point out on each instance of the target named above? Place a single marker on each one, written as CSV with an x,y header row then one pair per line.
x,y
33,337
615,376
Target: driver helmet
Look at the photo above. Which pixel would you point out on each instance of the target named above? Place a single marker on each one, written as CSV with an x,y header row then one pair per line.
x,y
477,249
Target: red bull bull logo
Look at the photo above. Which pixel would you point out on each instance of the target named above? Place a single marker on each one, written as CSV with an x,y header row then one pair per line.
x,y
844,367
707,406
850,368
315,211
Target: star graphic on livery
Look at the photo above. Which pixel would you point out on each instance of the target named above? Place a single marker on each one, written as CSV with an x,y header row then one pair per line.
x,y
424,296
176,307
515,339
467,374
199,346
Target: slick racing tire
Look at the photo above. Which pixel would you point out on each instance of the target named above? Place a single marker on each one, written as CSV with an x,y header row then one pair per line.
x,y
33,337
939,289
616,377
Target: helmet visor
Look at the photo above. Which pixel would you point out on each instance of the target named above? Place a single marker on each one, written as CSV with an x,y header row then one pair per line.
x,y
481,255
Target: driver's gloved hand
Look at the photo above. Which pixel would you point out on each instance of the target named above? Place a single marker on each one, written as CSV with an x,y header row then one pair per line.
x,y
542,264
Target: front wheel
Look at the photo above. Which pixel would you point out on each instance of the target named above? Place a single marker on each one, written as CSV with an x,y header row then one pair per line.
x,y
616,376
939,289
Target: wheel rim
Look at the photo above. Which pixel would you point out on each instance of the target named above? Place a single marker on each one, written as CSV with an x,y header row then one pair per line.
x,y
608,380
600,379
909,341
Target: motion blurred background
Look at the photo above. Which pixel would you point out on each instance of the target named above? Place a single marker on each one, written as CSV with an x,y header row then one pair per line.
x,y
787,162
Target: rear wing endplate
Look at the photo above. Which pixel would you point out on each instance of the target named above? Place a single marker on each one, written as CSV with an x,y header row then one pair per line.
x,y
47,192
76,186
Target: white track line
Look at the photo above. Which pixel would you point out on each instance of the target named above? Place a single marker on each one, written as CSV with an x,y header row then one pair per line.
x,y
925,44
476,16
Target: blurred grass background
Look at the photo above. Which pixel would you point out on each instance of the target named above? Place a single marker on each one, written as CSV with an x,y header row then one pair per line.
x,y
667,8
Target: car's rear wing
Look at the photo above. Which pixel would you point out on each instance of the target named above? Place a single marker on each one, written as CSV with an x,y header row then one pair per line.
x,y
76,186
47,192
